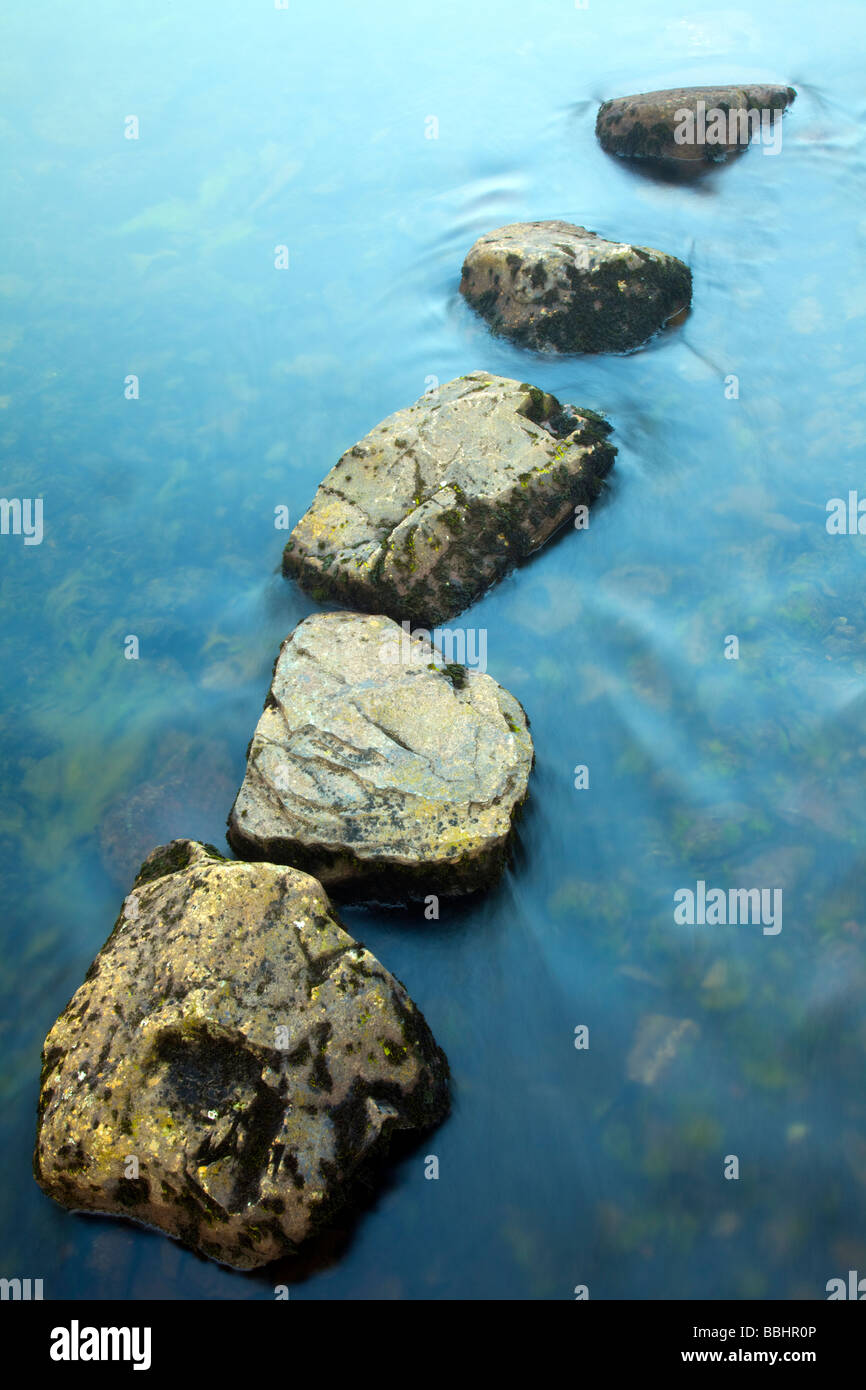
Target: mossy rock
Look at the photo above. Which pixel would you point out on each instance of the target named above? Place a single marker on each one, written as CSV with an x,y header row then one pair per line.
x,y
558,287
650,125
234,1065
442,499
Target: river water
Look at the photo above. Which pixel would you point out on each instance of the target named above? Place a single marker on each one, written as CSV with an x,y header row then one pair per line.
x,y
310,128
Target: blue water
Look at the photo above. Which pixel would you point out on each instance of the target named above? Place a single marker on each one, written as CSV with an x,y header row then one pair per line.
x,y
306,128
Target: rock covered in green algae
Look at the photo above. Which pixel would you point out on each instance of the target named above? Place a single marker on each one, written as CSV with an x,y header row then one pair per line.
x,y
440,500
557,286
242,1049
644,126
384,776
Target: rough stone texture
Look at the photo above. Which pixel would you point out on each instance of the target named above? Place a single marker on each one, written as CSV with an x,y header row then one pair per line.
x,y
386,777
247,1139
643,126
556,286
440,500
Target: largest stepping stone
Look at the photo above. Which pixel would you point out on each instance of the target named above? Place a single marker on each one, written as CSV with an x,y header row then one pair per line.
x,y
233,1064
380,769
442,499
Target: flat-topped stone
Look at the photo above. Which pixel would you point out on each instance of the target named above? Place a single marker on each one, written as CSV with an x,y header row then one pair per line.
x,y
381,770
653,125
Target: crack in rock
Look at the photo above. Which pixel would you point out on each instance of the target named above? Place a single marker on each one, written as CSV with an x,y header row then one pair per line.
x,y
403,781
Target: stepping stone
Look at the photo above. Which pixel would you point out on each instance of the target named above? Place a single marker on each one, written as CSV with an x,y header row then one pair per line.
x,y
232,1064
442,499
383,771
652,125
555,286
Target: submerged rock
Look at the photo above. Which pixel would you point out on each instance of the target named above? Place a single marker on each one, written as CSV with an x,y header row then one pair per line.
x,y
651,125
232,1062
440,500
657,1042
555,285
384,775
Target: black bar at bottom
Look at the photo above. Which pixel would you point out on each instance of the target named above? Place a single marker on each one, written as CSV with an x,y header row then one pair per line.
x,y
275,1340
